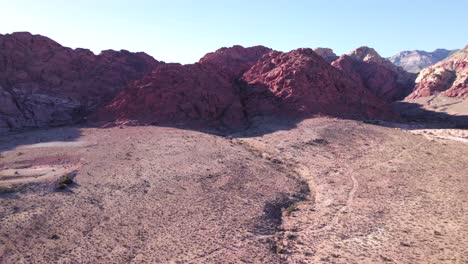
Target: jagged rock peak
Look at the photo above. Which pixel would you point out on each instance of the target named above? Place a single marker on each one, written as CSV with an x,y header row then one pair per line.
x,y
326,53
234,60
367,54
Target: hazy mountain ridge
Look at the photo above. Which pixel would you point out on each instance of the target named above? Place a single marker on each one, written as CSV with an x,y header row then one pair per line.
x,y
416,60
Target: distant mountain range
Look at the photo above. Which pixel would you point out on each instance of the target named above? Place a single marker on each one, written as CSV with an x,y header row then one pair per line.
x,y
416,60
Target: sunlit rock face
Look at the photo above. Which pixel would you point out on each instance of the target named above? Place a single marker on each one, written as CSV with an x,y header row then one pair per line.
x,y
387,81
448,77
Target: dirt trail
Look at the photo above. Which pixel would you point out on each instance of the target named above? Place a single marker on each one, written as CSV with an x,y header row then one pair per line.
x,y
349,202
345,220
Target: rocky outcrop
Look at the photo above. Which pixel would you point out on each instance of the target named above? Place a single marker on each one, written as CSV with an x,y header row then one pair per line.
x,y
366,67
233,61
416,60
448,77
205,92
301,83
327,54
44,84
298,83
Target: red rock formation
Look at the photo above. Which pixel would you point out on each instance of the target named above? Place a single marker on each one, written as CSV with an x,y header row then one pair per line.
x,y
302,83
203,92
43,83
298,83
233,61
365,66
327,54
449,77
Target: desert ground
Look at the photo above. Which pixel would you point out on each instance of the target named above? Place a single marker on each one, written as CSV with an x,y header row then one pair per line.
x,y
319,190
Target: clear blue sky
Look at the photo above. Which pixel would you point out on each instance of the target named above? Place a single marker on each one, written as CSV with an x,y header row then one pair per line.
x,y
183,31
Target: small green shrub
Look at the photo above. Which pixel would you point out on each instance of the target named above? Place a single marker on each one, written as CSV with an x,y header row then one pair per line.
x,y
65,181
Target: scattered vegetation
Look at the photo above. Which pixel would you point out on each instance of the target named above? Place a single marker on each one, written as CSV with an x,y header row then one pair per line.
x,y
317,141
54,237
65,181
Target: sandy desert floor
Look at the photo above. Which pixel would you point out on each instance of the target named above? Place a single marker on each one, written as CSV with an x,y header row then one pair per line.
x,y
320,190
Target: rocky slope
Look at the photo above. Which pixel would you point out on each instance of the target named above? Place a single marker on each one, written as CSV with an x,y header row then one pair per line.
x,y
448,77
300,82
366,67
43,83
202,92
297,83
416,60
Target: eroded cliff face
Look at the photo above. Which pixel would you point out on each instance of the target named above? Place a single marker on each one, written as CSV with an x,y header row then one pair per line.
x,y
449,77
365,66
45,84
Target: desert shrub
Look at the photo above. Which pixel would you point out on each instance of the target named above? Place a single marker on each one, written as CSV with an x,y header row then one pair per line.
x,y
65,180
